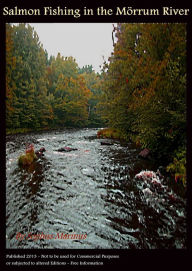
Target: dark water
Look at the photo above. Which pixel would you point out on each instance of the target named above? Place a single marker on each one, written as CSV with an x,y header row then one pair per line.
x,y
88,191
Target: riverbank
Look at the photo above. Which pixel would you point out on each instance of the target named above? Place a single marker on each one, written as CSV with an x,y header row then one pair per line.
x,y
19,131
175,168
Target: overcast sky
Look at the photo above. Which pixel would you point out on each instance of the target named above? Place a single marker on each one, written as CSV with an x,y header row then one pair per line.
x,y
86,42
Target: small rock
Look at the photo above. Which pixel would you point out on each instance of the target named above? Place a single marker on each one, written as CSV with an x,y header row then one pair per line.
x,y
147,192
42,149
11,143
156,181
40,152
144,153
67,149
106,143
88,171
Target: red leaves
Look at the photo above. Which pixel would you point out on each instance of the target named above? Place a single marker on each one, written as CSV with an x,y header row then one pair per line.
x,y
177,178
30,148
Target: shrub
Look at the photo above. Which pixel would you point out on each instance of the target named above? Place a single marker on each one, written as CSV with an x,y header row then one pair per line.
x,y
178,166
110,133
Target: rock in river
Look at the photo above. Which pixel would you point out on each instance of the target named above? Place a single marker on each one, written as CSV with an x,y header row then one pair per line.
x,y
88,172
40,152
66,149
106,143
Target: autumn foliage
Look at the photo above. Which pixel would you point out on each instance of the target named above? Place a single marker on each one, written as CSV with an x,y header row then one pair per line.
x,y
144,87
29,157
141,91
45,92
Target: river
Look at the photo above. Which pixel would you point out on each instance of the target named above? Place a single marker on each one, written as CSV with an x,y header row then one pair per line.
x,y
90,191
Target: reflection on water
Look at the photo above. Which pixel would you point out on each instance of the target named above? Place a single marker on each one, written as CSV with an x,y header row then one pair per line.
x,y
88,191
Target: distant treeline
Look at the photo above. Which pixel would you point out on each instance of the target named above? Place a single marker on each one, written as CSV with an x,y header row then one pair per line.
x,y
44,91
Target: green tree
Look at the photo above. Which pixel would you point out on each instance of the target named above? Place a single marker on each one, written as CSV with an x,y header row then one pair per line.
x,y
30,105
10,66
71,101
93,82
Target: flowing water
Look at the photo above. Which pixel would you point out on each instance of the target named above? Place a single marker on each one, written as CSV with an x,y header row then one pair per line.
x,y
90,191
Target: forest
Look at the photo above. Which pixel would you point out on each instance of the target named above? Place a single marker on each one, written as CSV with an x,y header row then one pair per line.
x,y
44,92
139,96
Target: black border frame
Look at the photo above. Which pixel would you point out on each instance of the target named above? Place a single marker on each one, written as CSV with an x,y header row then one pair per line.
x,y
137,258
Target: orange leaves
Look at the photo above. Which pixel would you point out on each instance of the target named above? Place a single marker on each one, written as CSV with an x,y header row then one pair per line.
x,y
120,53
87,93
